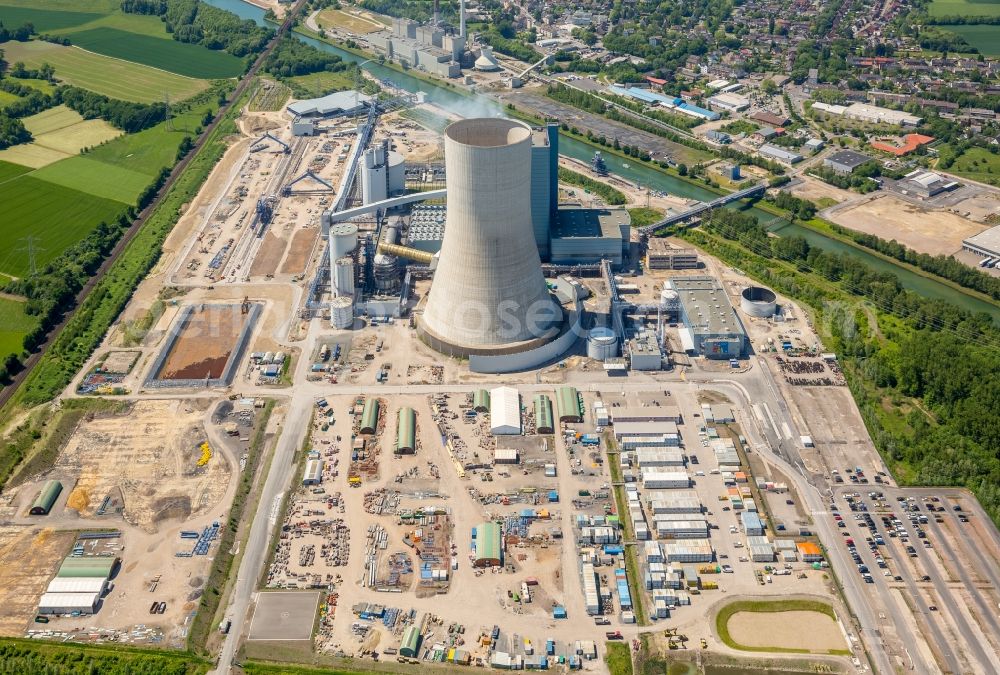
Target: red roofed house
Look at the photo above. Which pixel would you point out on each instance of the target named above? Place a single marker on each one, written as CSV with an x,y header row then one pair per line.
x,y
910,143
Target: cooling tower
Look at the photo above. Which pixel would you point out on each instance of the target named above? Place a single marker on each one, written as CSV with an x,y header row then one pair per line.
x,y
488,295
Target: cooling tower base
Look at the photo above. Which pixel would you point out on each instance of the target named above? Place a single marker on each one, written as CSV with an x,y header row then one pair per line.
x,y
450,348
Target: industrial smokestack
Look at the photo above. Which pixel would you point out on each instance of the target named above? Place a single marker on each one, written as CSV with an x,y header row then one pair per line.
x,y
488,295
437,14
461,24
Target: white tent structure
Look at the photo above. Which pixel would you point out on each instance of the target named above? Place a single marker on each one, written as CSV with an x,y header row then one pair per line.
x,y
505,411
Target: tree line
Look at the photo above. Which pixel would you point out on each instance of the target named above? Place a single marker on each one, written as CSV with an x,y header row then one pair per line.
x,y
292,57
22,33
196,22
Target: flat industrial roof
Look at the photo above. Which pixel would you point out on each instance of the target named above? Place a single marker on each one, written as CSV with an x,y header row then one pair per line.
x,y
575,221
331,103
706,305
849,158
987,239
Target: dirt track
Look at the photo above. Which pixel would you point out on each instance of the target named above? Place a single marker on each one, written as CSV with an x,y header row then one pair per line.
x,y
788,630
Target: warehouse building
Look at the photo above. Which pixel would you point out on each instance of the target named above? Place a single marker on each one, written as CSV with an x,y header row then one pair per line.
x,y
588,235
688,551
760,549
488,545
659,456
636,442
926,184
406,432
662,255
662,502
46,498
409,646
752,524
339,103
653,480
809,552
728,102
845,162
711,327
652,430
652,413
78,585
97,567
314,472
779,154
568,403
590,588
68,603
644,352
985,244
506,456
505,411
682,529
543,415
369,416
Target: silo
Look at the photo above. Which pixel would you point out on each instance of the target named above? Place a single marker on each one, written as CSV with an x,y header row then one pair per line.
x,y
343,240
342,312
488,294
374,175
602,344
397,173
343,277
386,272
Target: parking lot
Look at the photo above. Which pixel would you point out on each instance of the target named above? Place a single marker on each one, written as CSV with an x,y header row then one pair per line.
x,y
925,548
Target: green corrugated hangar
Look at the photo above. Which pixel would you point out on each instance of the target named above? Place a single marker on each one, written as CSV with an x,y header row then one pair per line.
x,y
369,417
410,644
90,566
481,400
46,498
406,432
543,415
568,402
489,545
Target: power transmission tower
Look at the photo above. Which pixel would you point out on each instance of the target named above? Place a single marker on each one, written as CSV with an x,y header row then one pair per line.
x,y
31,251
166,102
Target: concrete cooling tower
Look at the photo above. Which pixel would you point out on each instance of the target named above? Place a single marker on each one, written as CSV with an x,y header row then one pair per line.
x,y
488,295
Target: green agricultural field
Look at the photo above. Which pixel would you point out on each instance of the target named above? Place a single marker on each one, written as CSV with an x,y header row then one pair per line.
x,y
177,57
60,133
978,164
96,178
44,20
983,37
320,84
104,75
965,8
10,171
151,149
14,325
56,216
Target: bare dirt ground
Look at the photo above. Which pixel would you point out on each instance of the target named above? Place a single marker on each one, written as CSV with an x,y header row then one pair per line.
x,y
204,345
28,557
298,252
813,188
151,455
269,255
934,232
787,630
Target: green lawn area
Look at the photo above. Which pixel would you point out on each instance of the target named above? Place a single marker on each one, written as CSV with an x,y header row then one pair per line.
x,y
177,57
978,164
983,37
320,84
56,216
151,149
104,75
641,216
14,325
6,98
965,8
96,178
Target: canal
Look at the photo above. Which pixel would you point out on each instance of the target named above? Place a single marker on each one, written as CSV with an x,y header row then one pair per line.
x,y
481,105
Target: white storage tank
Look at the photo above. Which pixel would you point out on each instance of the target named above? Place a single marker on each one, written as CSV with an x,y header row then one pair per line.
x,y
343,239
342,312
602,344
758,301
374,175
670,300
343,277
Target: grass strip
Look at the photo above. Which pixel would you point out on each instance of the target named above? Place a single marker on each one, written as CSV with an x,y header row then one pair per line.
x,y
68,658
618,658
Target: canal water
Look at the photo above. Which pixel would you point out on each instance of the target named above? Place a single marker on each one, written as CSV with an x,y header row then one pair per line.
x,y
484,106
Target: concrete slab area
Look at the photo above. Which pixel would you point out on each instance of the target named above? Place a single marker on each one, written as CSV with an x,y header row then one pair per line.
x,y
285,615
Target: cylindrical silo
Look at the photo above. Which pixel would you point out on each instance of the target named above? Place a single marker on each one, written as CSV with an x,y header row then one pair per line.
x,y
386,273
342,312
396,173
374,175
488,293
343,276
602,344
343,240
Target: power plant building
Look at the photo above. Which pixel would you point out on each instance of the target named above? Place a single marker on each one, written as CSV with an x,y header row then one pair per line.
x,y
339,103
582,235
489,296
662,255
712,328
544,184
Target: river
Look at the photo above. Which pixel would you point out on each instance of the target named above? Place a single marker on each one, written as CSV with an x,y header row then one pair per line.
x,y
482,105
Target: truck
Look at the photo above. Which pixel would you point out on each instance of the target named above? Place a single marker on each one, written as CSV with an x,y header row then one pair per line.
x,y
614,635
225,626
